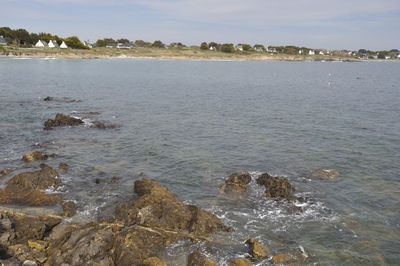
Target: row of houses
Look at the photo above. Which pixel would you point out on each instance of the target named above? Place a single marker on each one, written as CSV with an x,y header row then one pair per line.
x,y
51,44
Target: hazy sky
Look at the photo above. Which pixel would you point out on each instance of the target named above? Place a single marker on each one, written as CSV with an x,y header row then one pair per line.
x,y
333,24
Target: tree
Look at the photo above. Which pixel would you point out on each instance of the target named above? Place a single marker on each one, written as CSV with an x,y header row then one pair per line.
x,y
75,43
105,42
246,47
204,46
259,47
158,44
227,48
123,41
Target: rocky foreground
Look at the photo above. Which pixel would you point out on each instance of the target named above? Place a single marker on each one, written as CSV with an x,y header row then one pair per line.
x,y
140,229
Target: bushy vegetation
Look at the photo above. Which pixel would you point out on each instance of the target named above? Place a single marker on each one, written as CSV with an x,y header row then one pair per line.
x,y
158,44
204,46
74,43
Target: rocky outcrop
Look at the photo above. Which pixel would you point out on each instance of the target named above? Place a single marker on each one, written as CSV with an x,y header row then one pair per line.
x,y
69,208
158,207
325,174
257,250
276,187
25,188
237,182
62,120
197,258
44,178
34,156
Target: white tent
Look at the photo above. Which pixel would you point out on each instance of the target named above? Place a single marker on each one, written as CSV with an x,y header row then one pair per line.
x,y
63,45
53,44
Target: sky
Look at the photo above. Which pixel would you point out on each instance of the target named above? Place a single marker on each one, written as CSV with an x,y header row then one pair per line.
x,y
333,24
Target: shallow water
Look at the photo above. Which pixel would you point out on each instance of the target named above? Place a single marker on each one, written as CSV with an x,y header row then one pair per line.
x,y
189,124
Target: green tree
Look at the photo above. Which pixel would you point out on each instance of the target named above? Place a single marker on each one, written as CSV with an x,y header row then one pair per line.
x,y
246,47
105,42
259,47
75,43
123,41
158,44
204,46
227,48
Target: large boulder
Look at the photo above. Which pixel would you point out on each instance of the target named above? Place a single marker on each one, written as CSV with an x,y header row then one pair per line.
x,y
44,178
62,120
27,197
276,187
240,262
237,182
156,206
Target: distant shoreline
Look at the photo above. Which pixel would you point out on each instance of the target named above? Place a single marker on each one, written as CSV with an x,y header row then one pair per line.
x,y
165,54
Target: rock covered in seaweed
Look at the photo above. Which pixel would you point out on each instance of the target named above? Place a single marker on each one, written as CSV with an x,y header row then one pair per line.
x,y
34,156
237,182
62,120
276,187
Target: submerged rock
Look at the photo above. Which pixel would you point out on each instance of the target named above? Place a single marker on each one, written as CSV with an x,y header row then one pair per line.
x,y
62,99
158,207
34,156
6,171
44,178
103,125
63,167
62,120
276,187
236,182
197,258
325,174
257,250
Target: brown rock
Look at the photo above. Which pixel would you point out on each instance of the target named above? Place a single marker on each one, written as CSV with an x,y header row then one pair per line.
x,y
240,262
325,174
62,120
103,125
154,261
196,258
257,250
115,179
27,197
69,208
37,244
236,182
63,167
281,258
158,207
6,171
276,187
44,178
34,156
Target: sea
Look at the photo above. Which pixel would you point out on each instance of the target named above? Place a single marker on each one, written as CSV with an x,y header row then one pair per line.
x,y
190,124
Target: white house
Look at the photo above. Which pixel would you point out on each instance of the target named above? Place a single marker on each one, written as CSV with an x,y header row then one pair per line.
x,y
311,52
41,44
239,47
88,44
398,56
321,52
213,48
63,45
53,44
300,51
3,41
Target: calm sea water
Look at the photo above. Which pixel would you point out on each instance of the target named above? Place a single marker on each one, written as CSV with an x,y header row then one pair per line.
x,y
190,124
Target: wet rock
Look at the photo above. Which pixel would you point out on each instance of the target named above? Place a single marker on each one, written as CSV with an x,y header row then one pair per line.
x,y
154,261
62,120
158,207
61,99
6,171
240,262
48,98
236,182
281,258
103,125
27,197
325,174
44,178
29,263
197,258
63,167
69,208
115,179
18,228
97,180
257,250
34,156
276,187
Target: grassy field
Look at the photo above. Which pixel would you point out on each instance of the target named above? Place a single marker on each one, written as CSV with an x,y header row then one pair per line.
x,y
171,53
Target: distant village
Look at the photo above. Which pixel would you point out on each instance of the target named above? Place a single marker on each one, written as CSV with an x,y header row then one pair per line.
x,y
22,38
